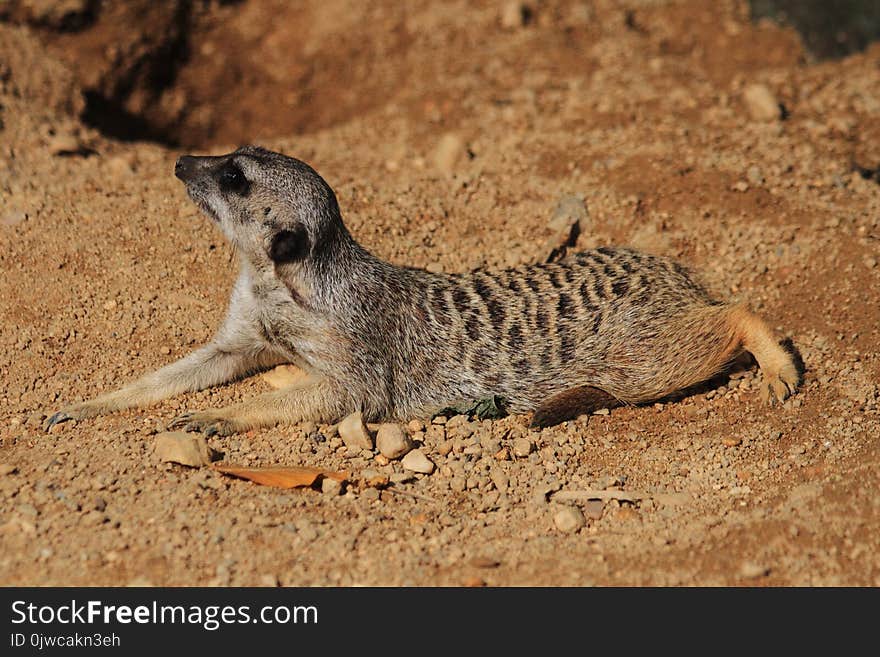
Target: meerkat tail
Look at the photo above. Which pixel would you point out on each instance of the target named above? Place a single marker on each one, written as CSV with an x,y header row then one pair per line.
x,y
778,367
568,404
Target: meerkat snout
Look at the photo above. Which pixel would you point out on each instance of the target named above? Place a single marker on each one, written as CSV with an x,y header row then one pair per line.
x,y
184,167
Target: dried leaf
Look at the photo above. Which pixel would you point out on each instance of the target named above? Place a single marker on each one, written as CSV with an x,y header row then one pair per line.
x,y
281,477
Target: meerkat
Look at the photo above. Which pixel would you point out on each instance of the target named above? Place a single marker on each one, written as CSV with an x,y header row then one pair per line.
x,y
597,329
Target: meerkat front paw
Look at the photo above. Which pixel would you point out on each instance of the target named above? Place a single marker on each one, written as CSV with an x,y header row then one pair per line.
x,y
74,412
211,423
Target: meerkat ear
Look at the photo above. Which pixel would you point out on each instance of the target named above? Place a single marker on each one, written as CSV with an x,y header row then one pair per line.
x,y
290,245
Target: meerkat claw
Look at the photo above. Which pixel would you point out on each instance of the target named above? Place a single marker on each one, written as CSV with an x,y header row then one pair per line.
x,y
221,428
775,390
204,422
180,421
56,418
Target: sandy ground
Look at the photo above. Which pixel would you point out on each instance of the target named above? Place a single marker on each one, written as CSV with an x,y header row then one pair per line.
x,y
647,109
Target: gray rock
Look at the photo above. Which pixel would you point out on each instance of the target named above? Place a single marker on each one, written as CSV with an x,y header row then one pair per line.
x,y
392,441
417,462
593,509
354,433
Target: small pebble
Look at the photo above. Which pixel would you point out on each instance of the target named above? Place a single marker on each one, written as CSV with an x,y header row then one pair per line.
x,y
268,580
417,462
569,219
449,151
522,447
402,477
284,376
7,469
593,509
330,486
752,570
761,103
64,144
754,175
499,478
183,448
569,519
513,15
354,433
392,441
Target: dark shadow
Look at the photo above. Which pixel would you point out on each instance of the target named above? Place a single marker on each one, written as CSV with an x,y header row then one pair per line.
x,y
830,28
113,120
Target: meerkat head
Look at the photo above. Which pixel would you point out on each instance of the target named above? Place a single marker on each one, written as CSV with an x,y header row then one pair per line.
x,y
273,208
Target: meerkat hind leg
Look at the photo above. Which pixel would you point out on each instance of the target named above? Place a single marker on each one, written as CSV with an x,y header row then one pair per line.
x,y
571,403
779,370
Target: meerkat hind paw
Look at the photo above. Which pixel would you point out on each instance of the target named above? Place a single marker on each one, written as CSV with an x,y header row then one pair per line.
x,y
208,422
775,389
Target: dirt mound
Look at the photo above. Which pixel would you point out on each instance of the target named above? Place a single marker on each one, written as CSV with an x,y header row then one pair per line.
x,y
191,73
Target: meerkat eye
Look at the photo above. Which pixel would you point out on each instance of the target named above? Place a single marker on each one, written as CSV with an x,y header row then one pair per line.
x,y
232,179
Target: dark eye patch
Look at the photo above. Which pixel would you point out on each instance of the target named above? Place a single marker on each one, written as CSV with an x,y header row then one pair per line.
x,y
232,179
290,245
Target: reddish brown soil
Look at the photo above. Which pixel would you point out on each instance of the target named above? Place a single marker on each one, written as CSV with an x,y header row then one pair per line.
x,y
109,271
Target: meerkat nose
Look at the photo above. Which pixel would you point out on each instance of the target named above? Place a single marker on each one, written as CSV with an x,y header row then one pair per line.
x,y
185,167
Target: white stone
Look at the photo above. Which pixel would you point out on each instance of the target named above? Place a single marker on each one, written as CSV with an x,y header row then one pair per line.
x,y
417,462
761,103
569,519
183,448
354,433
